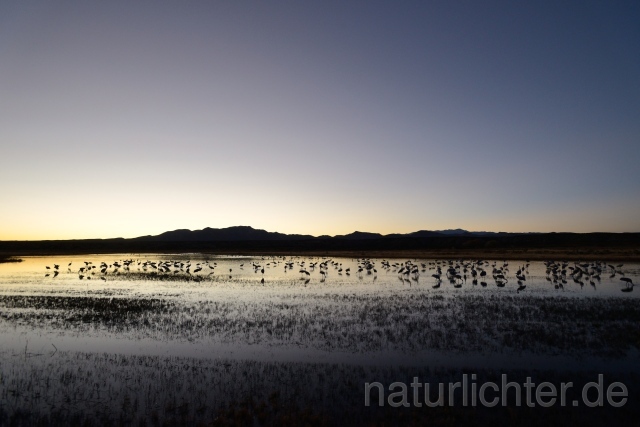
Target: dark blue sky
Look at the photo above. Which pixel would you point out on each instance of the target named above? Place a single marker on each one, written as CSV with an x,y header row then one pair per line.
x,y
121,119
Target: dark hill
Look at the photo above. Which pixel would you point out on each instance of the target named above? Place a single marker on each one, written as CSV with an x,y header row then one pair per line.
x,y
230,234
247,240
360,235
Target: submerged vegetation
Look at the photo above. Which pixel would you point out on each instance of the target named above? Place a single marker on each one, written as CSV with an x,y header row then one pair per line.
x,y
607,327
79,388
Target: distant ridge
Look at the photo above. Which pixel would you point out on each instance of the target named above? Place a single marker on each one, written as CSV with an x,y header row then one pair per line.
x,y
229,234
247,233
248,240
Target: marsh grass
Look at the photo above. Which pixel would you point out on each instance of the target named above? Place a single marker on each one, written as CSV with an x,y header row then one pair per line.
x,y
78,388
607,327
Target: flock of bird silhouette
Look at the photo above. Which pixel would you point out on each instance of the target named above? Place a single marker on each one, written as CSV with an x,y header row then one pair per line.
x,y
455,272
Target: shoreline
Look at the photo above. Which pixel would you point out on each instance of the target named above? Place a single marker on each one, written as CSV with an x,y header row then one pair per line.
x,y
8,258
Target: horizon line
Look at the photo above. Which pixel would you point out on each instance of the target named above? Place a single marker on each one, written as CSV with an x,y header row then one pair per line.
x,y
461,230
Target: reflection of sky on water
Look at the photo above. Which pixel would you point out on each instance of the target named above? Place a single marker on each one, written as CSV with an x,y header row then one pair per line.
x,y
236,276
224,311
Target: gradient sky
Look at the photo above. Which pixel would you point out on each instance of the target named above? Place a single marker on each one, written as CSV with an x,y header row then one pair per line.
x,y
121,119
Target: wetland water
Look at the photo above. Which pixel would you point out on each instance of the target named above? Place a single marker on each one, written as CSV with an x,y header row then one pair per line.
x,y
130,337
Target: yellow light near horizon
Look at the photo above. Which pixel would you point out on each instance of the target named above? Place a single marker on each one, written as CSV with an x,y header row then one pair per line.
x,y
131,218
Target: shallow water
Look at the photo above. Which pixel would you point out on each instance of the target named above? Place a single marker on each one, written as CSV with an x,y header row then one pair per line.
x,y
279,308
217,312
237,274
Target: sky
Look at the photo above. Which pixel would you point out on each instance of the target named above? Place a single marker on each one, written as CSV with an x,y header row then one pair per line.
x,y
130,118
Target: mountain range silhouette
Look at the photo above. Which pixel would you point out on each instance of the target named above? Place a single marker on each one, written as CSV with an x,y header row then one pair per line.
x,y
248,240
247,233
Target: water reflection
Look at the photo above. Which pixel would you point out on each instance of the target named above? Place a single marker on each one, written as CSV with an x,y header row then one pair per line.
x,y
259,319
321,304
190,272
